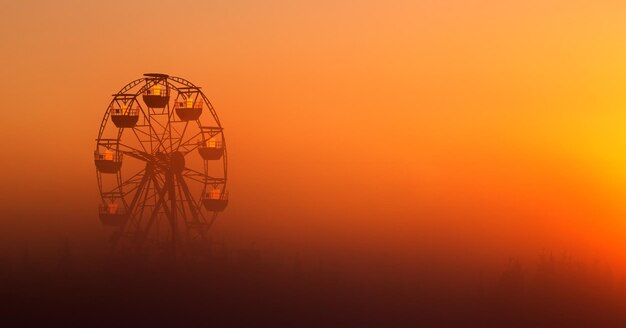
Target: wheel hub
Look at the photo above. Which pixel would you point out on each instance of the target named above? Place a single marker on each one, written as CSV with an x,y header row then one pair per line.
x,y
173,162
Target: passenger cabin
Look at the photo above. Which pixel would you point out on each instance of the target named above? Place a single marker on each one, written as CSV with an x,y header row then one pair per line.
x,y
124,111
215,200
107,161
211,149
188,109
156,96
112,215
188,103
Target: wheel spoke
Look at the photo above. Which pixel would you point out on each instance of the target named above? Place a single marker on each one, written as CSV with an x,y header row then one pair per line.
x,y
132,180
134,152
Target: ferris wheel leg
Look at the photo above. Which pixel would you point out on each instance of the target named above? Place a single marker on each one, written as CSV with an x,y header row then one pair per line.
x,y
169,181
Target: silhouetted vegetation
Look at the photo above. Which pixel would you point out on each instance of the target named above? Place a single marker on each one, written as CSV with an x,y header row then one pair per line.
x,y
245,288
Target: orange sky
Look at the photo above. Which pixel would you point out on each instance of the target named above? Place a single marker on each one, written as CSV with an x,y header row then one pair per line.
x,y
493,126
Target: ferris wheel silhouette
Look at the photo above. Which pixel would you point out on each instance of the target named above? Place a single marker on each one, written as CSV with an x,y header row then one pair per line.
x,y
161,164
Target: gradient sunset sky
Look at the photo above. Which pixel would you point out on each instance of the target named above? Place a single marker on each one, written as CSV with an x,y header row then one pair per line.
x,y
495,128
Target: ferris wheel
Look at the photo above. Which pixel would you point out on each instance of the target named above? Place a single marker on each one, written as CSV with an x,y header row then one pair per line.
x,y
161,164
